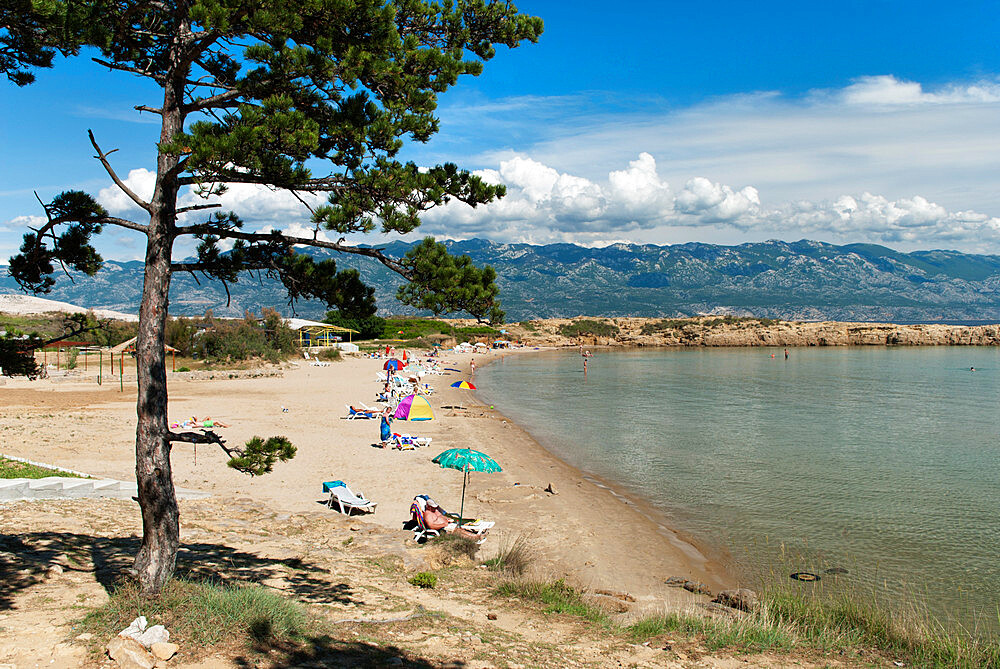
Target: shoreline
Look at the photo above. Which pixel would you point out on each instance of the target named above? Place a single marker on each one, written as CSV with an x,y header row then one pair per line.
x,y
714,558
588,532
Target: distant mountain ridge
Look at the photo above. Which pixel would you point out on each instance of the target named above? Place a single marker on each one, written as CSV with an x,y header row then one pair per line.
x,y
804,280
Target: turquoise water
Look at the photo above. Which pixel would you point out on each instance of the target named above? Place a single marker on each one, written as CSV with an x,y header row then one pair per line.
x,y
883,461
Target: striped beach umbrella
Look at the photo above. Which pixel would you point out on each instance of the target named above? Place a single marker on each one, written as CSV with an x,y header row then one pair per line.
x,y
464,385
414,407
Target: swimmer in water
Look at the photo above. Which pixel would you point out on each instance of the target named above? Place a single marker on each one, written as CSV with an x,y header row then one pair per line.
x,y
972,369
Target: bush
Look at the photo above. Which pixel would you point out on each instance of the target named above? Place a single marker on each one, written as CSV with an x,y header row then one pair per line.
x,y
413,328
269,338
371,327
424,579
653,327
183,369
329,354
589,327
514,557
71,356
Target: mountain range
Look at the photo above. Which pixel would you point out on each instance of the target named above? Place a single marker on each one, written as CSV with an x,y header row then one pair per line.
x,y
804,280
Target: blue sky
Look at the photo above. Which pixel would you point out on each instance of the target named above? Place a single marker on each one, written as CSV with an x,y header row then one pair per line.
x,y
658,123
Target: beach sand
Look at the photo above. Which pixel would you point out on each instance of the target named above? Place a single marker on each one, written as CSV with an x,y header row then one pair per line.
x,y
585,532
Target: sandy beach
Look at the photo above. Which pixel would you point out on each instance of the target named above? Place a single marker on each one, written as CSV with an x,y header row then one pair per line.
x,y
585,532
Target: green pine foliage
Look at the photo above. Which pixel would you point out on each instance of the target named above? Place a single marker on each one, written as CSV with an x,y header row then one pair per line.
x,y
258,456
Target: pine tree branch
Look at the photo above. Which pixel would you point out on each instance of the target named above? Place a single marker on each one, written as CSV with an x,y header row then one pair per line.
x,y
197,207
103,157
271,237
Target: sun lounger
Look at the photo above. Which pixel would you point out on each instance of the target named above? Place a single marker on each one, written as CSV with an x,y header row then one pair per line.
x,y
422,533
406,442
365,413
344,500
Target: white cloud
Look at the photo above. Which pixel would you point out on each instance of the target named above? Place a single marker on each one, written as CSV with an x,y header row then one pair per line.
x,y
544,205
888,90
140,181
22,223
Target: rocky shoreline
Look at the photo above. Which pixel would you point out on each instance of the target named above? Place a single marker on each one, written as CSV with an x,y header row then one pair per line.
x,y
709,331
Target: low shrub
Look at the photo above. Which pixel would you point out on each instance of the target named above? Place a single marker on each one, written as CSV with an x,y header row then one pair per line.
x,y
589,327
514,557
329,354
456,545
71,356
424,579
268,338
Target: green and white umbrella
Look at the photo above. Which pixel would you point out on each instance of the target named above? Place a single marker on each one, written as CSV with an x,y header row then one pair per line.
x,y
466,460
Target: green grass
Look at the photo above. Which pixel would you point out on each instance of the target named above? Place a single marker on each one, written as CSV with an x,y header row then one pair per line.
x,y
514,556
554,596
12,469
205,614
787,621
423,579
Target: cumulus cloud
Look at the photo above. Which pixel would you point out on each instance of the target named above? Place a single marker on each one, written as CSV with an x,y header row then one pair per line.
x,y
544,205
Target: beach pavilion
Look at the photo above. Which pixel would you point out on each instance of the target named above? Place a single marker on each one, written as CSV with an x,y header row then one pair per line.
x,y
314,333
128,347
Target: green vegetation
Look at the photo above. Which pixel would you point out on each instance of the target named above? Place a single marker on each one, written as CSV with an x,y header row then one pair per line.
x,y
740,321
414,328
329,354
653,327
368,327
269,339
555,596
584,327
13,469
528,326
204,614
787,621
514,557
423,579
455,545
71,356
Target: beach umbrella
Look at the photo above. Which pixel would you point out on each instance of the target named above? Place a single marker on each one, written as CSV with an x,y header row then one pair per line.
x,y
464,385
466,460
393,364
414,407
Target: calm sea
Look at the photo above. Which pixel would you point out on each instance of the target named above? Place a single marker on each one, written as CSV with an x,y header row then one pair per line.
x,y
881,461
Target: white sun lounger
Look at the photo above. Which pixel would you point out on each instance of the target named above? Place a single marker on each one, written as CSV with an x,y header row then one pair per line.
x,y
344,500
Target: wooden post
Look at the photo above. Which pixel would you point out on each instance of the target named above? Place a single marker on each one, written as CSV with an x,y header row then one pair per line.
x,y
112,363
173,361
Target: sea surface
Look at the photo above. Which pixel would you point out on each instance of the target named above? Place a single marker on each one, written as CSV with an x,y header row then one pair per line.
x,y
881,461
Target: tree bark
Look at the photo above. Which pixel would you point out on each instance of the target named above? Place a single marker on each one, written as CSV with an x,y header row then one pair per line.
x,y
157,556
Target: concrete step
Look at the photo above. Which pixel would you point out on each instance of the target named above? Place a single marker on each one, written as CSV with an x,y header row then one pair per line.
x,y
59,487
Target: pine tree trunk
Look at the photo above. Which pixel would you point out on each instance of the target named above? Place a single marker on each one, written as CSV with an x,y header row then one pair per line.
x,y
157,557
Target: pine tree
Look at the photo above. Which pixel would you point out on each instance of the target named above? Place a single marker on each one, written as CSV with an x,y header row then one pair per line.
x,y
312,96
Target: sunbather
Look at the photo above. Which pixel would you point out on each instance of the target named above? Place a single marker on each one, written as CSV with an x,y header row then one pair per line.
x,y
433,517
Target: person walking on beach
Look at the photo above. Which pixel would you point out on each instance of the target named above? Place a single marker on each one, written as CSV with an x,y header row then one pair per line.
x,y
472,366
